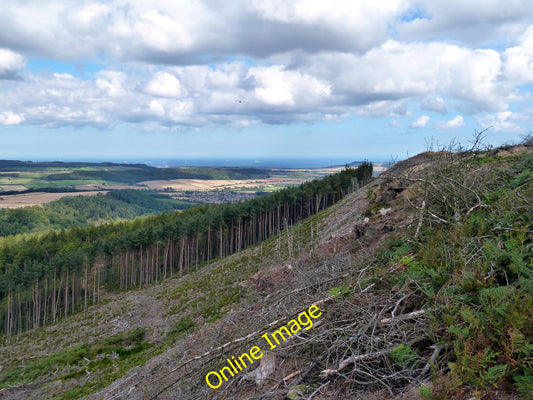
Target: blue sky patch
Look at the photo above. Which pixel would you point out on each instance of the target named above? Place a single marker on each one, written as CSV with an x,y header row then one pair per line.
x,y
82,69
412,14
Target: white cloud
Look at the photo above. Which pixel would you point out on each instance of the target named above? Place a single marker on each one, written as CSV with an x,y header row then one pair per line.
x,y
519,60
157,108
502,121
358,25
420,122
275,95
185,32
278,87
471,22
167,62
10,63
111,83
164,84
455,123
384,108
274,87
10,118
397,70
128,30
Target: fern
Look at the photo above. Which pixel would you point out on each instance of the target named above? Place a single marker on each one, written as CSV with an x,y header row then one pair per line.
x,y
494,375
497,293
524,384
405,356
527,351
340,291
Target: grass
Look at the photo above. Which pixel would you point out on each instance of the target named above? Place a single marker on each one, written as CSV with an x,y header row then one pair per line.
x,y
108,359
77,182
28,182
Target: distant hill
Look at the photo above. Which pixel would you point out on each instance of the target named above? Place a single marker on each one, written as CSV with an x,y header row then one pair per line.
x,y
14,165
351,164
131,175
379,167
49,176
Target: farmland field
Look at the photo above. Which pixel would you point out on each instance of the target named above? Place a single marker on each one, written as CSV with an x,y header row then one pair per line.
x,y
38,198
25,184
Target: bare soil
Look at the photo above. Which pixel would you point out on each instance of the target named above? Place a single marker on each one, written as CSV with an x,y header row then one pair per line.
x,y
17,188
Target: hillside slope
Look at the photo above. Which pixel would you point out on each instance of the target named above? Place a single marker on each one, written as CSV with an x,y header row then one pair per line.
x,y
410,276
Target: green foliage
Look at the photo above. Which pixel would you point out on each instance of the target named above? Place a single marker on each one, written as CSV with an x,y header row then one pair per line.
x,y
476,274
13,165
405,356
120,173
340,292
82,358
80,211
425,392
524,384
183,325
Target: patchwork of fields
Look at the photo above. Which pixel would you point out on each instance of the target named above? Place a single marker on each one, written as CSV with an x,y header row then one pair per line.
x,y
25,184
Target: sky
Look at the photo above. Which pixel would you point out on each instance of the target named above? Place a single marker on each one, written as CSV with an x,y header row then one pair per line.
x,y
350,80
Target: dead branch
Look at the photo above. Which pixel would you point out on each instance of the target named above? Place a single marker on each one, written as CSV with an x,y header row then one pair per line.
x,y
350,360
290,376
360,371
433,360
421,218
285,379
318,390
227,345
411,315
438,218
398,304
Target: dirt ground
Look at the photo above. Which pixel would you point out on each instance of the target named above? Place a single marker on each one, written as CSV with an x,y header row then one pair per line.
x,y
38,198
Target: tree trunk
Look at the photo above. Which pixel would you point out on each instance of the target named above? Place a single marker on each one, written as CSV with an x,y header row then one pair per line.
x,y
86,284
66,295
182,247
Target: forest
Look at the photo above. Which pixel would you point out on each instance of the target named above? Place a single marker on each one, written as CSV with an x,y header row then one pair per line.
x,y
47,276
77,211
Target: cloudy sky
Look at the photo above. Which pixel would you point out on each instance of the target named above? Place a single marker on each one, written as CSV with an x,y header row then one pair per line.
x,y
260,78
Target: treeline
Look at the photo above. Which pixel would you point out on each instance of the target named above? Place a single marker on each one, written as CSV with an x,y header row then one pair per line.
x,y
136,175
77,211
50,189
15,165
43,278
